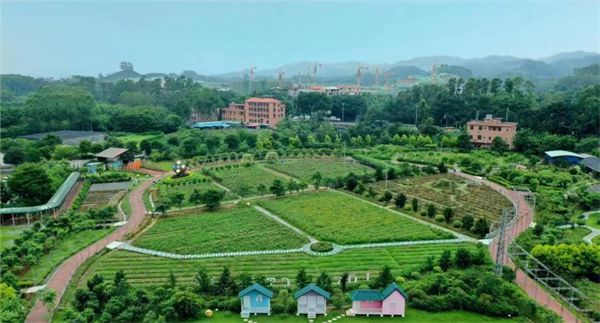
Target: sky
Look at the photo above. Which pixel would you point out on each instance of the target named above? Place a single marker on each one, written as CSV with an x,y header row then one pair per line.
x,y
59,39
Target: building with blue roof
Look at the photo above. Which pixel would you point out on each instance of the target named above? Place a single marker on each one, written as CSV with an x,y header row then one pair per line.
x,y
256,299
391,302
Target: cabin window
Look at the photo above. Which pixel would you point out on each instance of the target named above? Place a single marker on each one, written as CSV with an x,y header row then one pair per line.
x,y
259,298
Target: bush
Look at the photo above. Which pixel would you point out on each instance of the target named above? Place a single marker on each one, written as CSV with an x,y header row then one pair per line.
x,y
321,247
400,279
423,213
457,224
439,218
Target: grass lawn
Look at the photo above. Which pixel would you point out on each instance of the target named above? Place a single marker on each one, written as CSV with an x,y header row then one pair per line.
x,y
66,248
9,233
596,240
161,165
412,316
304,169
238,229
576,235
138,137
152,270
244,180
592,220
336,217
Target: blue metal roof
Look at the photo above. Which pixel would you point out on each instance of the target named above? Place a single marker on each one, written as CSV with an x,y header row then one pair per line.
x,y
212,124
312,288
366,295
256,287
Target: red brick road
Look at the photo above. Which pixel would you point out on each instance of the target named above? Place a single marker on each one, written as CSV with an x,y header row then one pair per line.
x,y
61,278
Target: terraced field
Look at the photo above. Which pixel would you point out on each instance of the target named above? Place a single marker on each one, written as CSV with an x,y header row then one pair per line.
x,y
336,217
453,191
238,229
151,270
304,169
237,179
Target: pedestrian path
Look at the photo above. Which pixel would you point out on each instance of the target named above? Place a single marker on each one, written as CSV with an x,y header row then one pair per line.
x,y
280,220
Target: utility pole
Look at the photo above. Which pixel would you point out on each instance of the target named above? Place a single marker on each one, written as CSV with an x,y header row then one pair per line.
x,y
377,79
280,77
343,106
308,76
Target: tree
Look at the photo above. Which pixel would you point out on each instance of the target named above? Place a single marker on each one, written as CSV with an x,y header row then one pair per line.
x,y
195,198
186,304
463,142
499,145
445,260
262,189
324,281
415,204
162,205
177,199
462,258
48,298
225,286
302,278
400,200
317,178
387,196
344,281
467,222
15,156
384,279
212,198
482,227
277,188
448,214
172,280
31,184
203,281
442,168
431,211
292,185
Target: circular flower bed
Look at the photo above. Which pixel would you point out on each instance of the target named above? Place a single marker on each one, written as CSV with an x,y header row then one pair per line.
x,y
321,247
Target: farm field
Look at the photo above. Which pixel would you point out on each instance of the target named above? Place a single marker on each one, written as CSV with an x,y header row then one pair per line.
x,y
449,158
9,233
244,180
322,216
304,169
67,247
447,190
168,187
237,229
152,270
139,137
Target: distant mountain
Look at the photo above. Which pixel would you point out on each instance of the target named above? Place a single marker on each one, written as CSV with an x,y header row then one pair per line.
x,y
566,56
567,65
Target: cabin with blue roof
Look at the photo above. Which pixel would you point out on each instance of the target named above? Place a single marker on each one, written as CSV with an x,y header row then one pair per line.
x,y
392,301
256,299
312,301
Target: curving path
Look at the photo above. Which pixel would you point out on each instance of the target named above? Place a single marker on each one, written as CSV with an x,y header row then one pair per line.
x,y
62,276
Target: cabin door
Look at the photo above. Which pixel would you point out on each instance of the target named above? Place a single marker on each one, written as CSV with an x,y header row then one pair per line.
x,y
312,305
246,307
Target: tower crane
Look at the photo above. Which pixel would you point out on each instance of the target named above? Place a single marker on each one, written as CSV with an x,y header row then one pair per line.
x,y
359,73
280,77
252,73
299,78
315,66
377,78
387,80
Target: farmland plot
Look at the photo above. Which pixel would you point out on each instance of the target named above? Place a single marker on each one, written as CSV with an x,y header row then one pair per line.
x,y
245,180
152,271
335,217
169,188
304,169
238,229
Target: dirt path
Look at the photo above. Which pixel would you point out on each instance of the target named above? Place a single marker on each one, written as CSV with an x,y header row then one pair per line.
x,y
62,276
280,220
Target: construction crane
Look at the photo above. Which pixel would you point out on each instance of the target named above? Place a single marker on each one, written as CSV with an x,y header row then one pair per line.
x,y
308,76
359,73
433,74
377,79
299,78
387,80
315,66
280,77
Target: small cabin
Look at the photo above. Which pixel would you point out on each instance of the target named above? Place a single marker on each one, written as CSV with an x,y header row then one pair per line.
x,y
390,302
256,299
312,301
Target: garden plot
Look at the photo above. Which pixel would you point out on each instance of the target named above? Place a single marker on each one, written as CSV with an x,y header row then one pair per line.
x,y
186,186
447,190
238,229
147,270
243,180
336,217
104,194
304,169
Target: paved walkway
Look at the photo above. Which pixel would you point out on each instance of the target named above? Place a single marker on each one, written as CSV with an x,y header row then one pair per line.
x,y
62,276
280,220
595,232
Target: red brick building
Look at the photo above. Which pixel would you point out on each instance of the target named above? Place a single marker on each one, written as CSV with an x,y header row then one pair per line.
x,y
255,110
484,131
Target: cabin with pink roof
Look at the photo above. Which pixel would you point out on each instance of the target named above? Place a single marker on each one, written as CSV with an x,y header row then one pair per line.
x,y
390,302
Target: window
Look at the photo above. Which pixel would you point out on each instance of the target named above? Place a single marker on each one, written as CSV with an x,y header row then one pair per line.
x,y
479,137
259,298
471,128
479,127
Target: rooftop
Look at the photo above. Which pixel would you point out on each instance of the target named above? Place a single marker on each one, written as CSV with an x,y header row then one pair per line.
x,y
312,288
111,152
591,162
366,295
264,100
561,153
256,287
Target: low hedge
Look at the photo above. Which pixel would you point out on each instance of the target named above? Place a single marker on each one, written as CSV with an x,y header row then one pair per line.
x,y
321,247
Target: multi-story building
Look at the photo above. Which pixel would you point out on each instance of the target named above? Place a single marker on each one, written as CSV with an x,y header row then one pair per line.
x,y
255,110
484,131
328,90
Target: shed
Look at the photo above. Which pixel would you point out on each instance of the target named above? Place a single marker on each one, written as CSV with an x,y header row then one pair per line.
x,y
256,299
111,154
392,301
312,300
591,163
554,156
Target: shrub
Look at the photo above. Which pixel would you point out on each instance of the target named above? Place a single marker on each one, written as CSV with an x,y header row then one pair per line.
x,y
457,224
439,218
400,279
321,247
423,213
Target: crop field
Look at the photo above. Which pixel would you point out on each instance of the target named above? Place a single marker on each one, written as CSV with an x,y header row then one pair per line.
x,y
238,229
245,180
336,217
152,270
449,158
187,187
450,190
304,169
